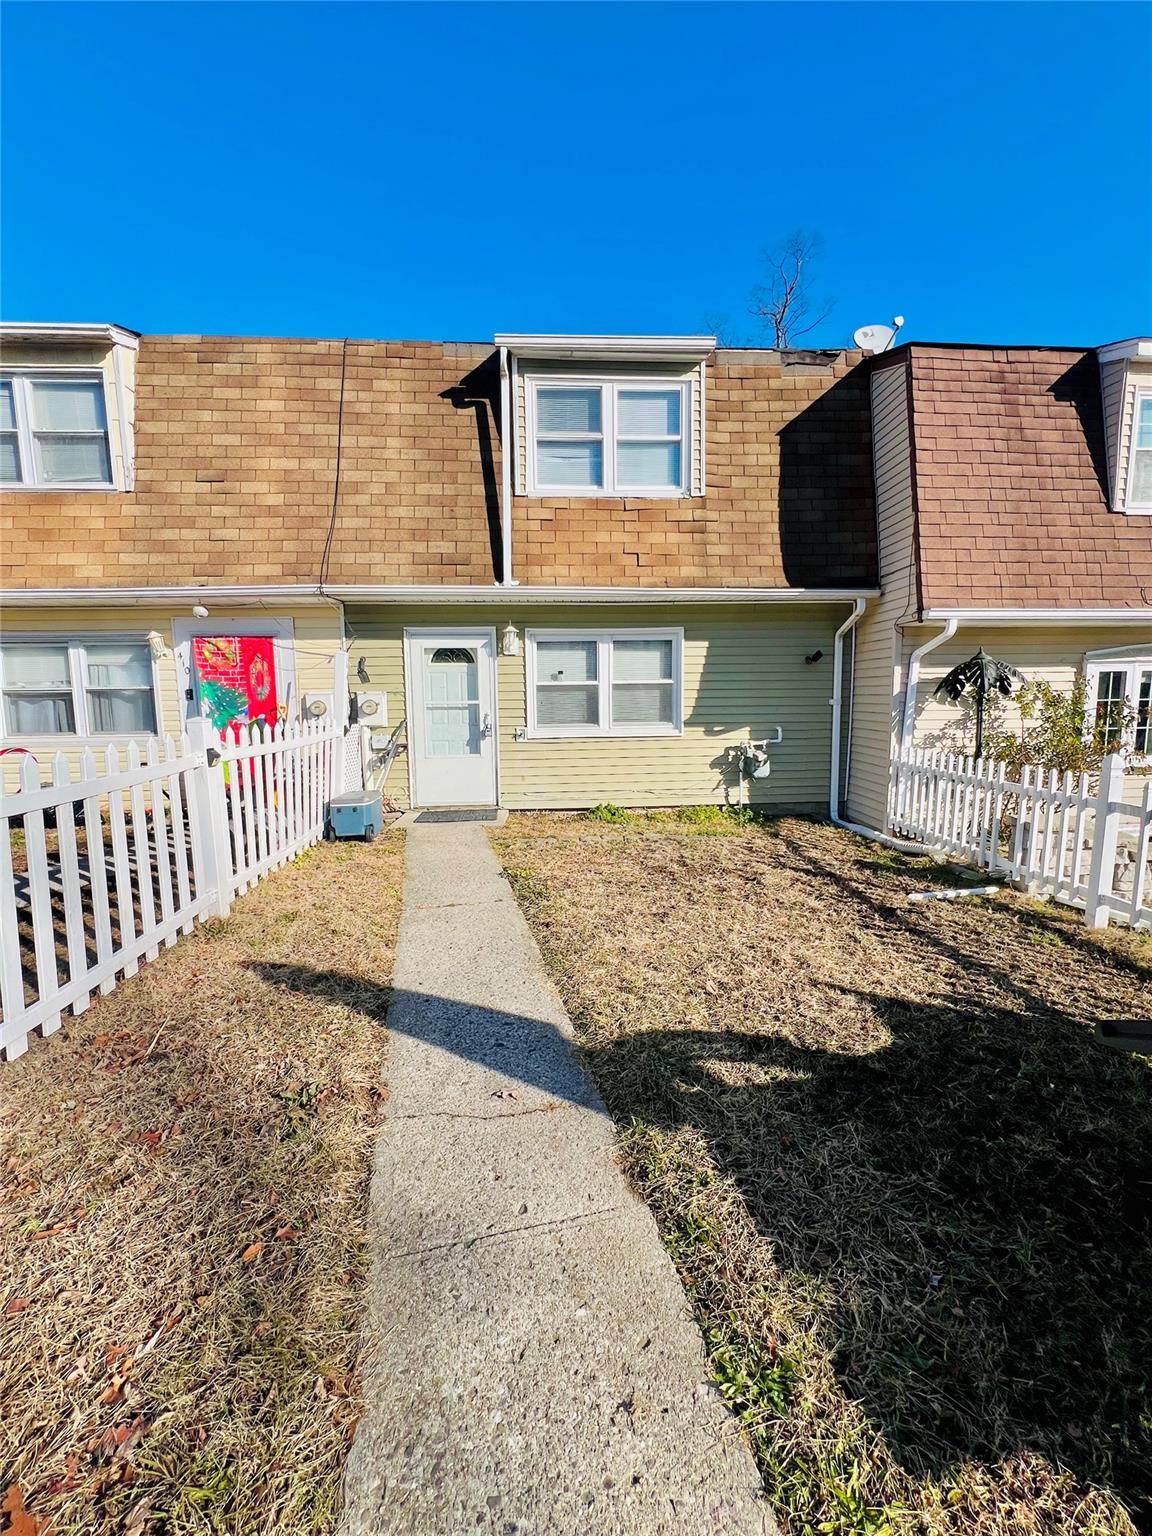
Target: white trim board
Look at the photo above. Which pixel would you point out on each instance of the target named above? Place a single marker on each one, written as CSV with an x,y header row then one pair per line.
x,y
1036,616
496,593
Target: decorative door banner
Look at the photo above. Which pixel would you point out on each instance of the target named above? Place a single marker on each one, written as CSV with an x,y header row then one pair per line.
x,y
237,675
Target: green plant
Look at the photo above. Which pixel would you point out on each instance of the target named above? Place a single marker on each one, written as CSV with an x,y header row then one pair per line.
x,y
717,820
614,814
1053,732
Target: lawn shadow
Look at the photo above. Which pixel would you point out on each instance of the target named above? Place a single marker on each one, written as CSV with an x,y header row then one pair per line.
x,y
975,1193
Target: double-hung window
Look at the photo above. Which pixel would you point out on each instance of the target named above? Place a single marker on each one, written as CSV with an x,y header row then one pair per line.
x,y
1139,493
69,687
1120,704
618,437
595,683
54,431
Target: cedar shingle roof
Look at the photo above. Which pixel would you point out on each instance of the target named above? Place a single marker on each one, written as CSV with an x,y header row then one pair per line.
x,y
1012,483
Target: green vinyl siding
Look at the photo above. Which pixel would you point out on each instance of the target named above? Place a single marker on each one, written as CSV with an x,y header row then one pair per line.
x,y
744,675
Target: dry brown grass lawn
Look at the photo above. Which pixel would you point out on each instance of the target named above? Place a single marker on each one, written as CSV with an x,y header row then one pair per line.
x,y
908,1192
181,1231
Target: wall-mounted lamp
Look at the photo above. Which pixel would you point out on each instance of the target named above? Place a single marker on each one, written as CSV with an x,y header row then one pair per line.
x,y
362,670
510,641
816,656
156,645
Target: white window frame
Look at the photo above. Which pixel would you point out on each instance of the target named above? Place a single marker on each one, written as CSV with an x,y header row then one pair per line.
x,y
1132,667
610,386
28,448
77,648
1140,508
605,727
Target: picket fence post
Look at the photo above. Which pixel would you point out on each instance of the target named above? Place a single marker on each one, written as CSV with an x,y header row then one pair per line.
x,y
1105,830
208,804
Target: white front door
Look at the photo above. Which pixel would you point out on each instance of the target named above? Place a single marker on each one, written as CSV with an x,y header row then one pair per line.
x,y
452,715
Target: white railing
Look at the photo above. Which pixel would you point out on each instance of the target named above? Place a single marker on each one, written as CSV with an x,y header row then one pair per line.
x,y
101,870
1073,838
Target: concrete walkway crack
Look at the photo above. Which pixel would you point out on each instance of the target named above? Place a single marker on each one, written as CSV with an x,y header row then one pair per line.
x,y
528,1226
461,1114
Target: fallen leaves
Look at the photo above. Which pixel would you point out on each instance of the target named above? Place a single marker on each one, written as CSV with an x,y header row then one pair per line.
x,y
20,1521
252,1253
16,1305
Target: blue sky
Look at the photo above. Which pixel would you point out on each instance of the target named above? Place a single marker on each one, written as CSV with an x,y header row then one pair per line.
x,y
447,171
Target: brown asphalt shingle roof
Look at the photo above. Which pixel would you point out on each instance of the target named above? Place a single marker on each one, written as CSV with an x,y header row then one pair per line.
x,y
1012,483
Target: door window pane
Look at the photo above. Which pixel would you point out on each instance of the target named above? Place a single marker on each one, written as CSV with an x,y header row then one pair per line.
x,y
451,703
66,456
1143,740
1110,708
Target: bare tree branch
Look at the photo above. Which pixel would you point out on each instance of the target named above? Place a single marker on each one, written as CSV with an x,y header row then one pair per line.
x,y
784,305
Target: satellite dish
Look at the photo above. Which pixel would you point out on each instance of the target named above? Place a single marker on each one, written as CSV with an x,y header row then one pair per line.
x,y
874,338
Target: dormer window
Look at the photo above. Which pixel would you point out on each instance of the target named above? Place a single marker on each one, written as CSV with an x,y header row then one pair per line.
x,y
606,415
1140,465
608,437
54,430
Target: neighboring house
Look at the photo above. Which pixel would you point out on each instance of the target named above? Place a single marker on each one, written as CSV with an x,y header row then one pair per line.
x,y
1014,511
583,569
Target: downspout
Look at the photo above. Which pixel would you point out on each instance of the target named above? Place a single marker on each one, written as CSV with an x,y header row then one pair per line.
x,y
507,437
912,681
837,702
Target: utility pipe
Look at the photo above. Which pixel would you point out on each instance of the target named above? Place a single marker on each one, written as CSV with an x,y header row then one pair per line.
x,y
912,681
837,702
507,435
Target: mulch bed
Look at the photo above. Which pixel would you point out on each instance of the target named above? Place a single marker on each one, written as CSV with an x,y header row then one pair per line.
x,y
909,1193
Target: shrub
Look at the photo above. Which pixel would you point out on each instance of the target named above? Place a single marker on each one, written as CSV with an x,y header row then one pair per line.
x,y
1052,731
615,814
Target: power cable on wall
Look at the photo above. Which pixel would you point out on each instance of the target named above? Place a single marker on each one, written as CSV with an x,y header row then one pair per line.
x,y
327,554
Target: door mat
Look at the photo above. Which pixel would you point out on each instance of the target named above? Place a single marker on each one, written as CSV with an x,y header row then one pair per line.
x,y
442,816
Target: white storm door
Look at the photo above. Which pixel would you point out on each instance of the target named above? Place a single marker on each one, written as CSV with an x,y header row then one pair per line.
x,y
452,716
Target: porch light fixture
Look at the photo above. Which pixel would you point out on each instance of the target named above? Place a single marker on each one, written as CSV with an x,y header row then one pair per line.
x,y
510,641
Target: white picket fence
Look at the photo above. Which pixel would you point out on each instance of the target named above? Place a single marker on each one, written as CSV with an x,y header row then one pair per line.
x,y
143,845
1072,838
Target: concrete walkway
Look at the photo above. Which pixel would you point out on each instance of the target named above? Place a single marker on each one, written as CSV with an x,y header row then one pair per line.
x,y
534,1368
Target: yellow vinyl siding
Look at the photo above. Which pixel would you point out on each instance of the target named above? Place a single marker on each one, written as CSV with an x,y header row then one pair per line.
x,y
877,638
316,639
744,673
1050,654
1119,410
